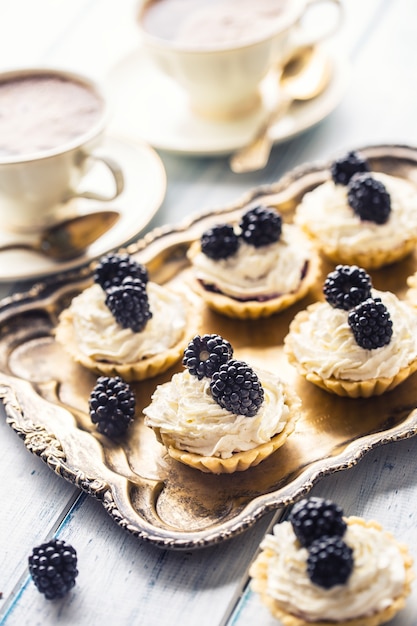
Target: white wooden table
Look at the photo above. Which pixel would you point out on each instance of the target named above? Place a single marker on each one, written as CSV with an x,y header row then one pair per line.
x,y
123,580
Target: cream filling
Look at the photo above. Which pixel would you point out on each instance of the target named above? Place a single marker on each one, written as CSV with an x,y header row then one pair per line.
x,y
377,578
325,213
252,272
99,337
184,409
325,344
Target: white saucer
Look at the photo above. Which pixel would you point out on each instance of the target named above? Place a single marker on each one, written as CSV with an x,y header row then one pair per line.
x,y
143,193
151,106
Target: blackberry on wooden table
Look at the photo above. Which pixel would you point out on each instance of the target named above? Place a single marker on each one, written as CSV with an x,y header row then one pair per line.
x,y
53,567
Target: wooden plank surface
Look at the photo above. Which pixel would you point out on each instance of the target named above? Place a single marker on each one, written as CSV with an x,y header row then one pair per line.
x,y
122,580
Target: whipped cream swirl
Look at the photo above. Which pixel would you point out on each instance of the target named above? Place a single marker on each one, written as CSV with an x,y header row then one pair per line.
x,y
255,273
100,337
377,578
324,342
326,214
184,409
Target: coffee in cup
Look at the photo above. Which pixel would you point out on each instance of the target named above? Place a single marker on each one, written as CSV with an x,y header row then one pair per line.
x,y
51,122
220,50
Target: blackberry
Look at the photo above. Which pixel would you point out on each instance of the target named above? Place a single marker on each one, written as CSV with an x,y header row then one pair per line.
x,y
347,165
219,242
204,355
347,286
329,562
312,518
113,268
261,226
129,304
237,388
369,198
53,567
112,406
371,324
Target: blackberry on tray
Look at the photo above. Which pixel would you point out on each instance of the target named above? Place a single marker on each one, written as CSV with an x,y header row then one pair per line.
x,y
237,388
205,354
347,286
261,226
312,518
53,567
112,405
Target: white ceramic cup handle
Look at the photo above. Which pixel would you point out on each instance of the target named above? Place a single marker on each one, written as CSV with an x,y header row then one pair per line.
x,y
302,38
117,176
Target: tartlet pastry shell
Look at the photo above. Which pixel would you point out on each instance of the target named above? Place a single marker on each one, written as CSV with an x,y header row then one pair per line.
x,y
258,572
338,386
240,461
370,260
253,309
146,368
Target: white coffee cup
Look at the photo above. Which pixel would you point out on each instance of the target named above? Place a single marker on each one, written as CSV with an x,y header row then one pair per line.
x,y
51,126
222,76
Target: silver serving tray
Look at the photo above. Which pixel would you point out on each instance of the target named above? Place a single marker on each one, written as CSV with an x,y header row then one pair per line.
x,y
152,496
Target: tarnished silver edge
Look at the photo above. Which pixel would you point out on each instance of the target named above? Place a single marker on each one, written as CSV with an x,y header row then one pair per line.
x,y
41,443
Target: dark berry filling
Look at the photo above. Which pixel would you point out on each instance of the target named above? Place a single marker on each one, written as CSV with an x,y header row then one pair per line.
x,y
53,567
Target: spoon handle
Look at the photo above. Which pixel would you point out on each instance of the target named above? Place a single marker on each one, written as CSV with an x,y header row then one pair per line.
x,y
255,155
19,245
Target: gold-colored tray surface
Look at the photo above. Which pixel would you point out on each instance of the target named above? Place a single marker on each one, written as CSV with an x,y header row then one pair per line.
x,y
158,499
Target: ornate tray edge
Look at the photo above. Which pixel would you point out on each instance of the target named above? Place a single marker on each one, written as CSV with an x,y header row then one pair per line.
x,y
41,443
49,449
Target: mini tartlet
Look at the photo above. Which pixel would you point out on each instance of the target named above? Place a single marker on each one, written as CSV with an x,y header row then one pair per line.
x,y
411,294
360,217
125,325
359,342
254,269
219,415
347,572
